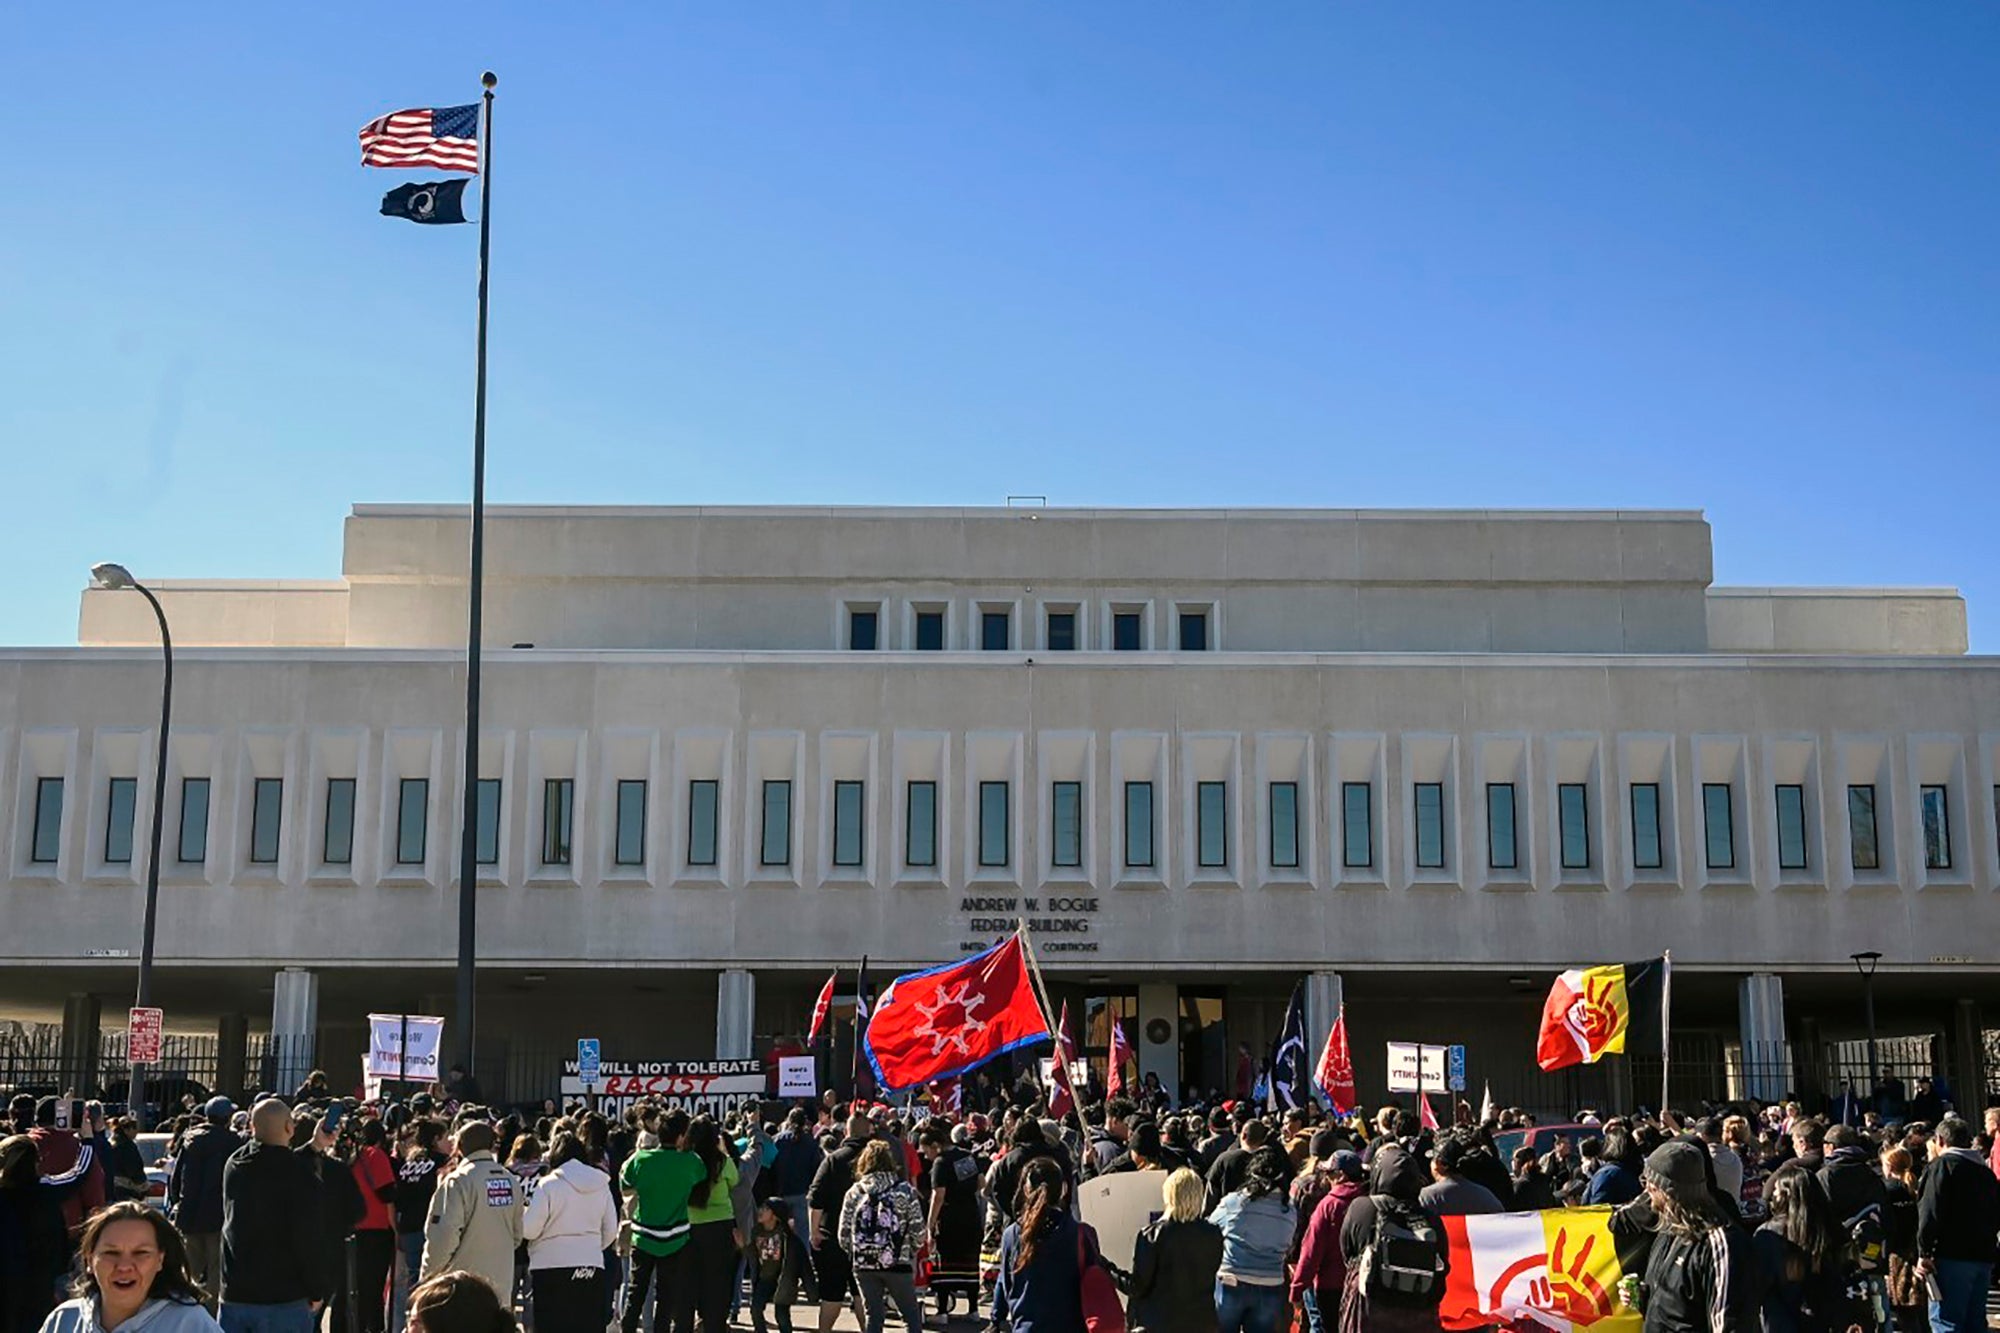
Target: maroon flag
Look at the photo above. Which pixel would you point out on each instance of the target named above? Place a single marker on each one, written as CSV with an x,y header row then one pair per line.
x,y
939,1023
1062,1097
821,1006
1121,1055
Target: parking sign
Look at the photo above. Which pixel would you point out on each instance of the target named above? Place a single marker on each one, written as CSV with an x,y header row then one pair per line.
x,y
588,1062
1456,1064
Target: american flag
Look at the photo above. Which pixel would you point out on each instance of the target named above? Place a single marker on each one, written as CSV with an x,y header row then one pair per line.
x,y
443,136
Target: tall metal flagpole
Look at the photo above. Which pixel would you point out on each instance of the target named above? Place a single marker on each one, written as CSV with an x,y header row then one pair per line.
x,y
468,843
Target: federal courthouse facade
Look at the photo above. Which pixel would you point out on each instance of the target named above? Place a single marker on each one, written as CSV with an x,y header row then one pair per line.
x,y
1420,760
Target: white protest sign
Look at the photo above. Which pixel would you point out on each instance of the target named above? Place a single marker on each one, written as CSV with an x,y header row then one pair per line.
x,y
797,1076
1416,1068
385,1047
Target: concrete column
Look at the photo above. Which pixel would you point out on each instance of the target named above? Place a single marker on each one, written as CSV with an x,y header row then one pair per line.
x,y
1760,1017
1323,997
735,1014
80,1045
1160,1004
1968,1060
294,1028
232,1035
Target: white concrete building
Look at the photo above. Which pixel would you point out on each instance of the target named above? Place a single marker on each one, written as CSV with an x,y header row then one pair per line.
x,y
1424,759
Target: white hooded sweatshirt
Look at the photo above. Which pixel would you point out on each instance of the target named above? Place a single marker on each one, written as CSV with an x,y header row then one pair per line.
x,y
572,1218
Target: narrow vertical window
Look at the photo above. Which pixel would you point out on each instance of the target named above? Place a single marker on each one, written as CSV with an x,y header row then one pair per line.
x,y
194,821
629,839
1284,825
994,631
1139,824
1573,817
1791,798
920,825
1501,853
1864,852
558,815
862,629
413,799
1718,825
336,844
46,845
775,846
267,815
847,808
486,826
930,631
120,808
1646,826
1357,825
1430,825
1125,632
1066,815
1194,631
1937,828
993,837
1062,631
703,797
1211,809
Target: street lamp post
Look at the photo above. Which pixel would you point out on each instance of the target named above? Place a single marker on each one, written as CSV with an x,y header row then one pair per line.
x,y
1864,963
118,578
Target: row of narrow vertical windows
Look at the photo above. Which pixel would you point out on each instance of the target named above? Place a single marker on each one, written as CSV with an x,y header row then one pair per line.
x,y
1357,836
996,630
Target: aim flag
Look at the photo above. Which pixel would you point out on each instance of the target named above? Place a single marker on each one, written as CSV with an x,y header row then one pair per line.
x,y
1121,1055
863,1004
439,136
1289,1086
1427,1117
431,201
822,1007
1335,1075
1062,1097
1556,1270
939,1023
1591,1012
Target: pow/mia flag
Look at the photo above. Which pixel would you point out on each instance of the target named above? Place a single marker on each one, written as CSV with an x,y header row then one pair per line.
x,y
435,201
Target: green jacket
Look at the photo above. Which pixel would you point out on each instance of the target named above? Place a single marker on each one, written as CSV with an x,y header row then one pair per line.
x,y
660,1180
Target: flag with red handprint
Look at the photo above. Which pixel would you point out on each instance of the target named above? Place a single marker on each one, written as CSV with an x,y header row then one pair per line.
x,y
937,1024
1620,1009
1530,1272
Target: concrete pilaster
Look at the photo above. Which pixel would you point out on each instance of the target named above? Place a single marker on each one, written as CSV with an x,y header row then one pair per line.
x,y
1323,996
1760,1017
1160,1004
294,1027
735,1014
1968,1060
80,1044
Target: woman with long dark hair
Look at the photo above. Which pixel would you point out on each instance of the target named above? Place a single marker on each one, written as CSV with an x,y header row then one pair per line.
x,y
714,1244
459,1302
1256,1224
135,1269
1040,1288
1797,1253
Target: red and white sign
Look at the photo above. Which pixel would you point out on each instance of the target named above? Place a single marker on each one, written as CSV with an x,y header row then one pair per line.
x,y
144,1035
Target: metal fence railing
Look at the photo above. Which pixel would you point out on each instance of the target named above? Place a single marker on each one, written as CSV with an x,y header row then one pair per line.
x,y
43,1061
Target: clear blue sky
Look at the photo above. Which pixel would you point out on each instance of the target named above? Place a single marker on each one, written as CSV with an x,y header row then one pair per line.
x,y
1741,258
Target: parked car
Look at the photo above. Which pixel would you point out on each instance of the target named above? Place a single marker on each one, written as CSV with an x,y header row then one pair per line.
x,y
153,1150
1542,1137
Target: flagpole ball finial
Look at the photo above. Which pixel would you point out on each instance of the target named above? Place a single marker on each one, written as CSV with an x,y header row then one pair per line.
x,y
488,79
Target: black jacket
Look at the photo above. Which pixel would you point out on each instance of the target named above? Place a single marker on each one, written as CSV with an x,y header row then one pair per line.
x,y
34,1254
1173,1277
1007,1175
272,1251
1958,1211
194,1189
797,1162
1853,1185
1228,1172
830,1185
1693,1284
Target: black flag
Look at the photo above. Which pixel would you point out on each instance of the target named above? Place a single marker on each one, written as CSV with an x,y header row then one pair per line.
x,y
434,201
1289,1087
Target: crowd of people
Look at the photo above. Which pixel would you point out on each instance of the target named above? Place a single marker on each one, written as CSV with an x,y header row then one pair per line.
x,y
446,1216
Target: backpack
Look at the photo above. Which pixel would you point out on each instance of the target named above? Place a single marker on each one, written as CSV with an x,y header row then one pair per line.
x,y
878,1231
1402,1261
1866,1241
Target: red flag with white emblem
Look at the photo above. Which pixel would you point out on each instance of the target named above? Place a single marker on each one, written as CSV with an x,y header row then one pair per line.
x,y
1121,1055
937,1024
821,1006
1062,1097
1335,1074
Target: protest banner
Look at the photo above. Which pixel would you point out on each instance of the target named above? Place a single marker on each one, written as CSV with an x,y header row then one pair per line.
x,y
712,1086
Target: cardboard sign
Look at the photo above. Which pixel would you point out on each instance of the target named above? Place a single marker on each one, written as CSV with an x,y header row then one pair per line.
x,y
1120,1207
797,1076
